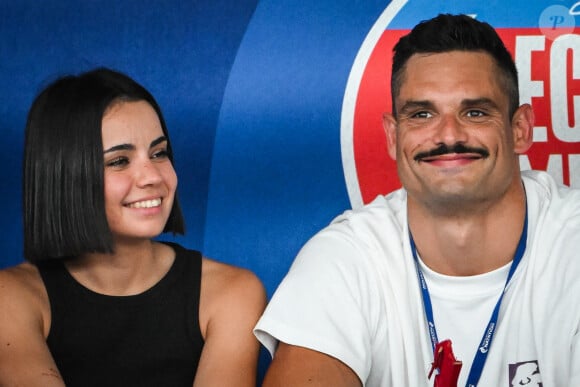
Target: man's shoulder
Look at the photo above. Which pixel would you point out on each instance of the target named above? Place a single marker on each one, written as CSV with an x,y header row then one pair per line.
x,y
554,213
546,194
384,208
379,226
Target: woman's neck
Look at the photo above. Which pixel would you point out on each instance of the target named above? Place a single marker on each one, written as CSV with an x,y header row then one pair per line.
x,y
131,269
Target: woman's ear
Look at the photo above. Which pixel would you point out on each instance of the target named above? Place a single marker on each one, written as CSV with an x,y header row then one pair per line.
x,y
523,128
390,127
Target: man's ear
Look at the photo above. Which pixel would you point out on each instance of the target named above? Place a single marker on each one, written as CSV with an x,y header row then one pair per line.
x,y
390,127
523,128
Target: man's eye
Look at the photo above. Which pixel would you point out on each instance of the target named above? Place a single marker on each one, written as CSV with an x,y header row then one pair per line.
x,y
117,162
421,115
475,113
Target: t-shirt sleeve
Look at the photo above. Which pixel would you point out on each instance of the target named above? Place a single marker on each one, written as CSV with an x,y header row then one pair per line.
x,y
575,361
323,303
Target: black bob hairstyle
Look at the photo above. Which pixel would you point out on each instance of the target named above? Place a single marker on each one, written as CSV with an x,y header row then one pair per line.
x,y
446,33
63,169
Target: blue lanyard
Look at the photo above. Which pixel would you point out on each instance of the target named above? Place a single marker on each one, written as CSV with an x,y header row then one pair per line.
x,y
485,344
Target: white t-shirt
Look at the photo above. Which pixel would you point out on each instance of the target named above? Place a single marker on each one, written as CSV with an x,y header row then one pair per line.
x,y
353,294
462,307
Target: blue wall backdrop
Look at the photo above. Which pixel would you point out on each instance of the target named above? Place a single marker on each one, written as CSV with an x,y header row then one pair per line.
x,y
259,97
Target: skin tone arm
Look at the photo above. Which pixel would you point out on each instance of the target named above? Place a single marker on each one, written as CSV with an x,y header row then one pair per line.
x,y
25,359
294,366
232,300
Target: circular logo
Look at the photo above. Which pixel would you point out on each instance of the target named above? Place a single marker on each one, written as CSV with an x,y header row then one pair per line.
x,y
555,21
547,55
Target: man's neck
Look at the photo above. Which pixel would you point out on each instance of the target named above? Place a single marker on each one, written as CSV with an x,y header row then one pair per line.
x,y
468,244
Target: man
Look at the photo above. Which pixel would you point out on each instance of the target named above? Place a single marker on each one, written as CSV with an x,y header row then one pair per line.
x,y
471,250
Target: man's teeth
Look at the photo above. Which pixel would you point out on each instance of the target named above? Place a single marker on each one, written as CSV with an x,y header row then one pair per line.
x,y
146,204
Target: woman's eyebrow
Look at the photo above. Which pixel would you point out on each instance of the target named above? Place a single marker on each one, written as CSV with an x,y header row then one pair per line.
x,y
132,147
157,141
120,147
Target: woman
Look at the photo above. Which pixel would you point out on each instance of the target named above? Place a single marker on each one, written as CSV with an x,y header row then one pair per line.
x,y
99,302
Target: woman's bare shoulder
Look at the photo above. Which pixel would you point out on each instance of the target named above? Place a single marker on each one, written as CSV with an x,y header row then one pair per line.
x,y
22,290
21,279
230,290
25,359
222,278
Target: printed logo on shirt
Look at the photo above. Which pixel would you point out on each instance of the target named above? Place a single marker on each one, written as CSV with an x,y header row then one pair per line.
x,y
485,347
525,373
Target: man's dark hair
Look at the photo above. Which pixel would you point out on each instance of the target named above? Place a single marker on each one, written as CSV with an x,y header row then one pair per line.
x,y
446,33
63,168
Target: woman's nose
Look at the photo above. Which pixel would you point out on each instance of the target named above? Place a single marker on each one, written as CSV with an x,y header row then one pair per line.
x,y
148,174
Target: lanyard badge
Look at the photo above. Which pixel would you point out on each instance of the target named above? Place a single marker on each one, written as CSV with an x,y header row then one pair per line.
x,y
447,366
444,361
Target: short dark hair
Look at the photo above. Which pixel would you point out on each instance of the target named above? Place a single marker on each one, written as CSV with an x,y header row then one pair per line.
x,y
446,33
63,169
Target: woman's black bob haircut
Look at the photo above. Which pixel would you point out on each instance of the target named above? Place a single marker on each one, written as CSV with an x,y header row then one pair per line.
x,y
63,187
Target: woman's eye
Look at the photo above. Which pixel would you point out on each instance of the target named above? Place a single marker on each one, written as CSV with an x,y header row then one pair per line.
x,y
117,162
161,154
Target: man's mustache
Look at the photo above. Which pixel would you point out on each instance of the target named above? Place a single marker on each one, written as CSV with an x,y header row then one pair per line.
x,y
444,149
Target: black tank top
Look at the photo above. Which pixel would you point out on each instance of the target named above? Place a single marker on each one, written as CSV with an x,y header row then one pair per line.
x,y
151,339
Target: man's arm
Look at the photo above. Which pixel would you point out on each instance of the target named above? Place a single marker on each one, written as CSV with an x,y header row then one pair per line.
x,y
298,366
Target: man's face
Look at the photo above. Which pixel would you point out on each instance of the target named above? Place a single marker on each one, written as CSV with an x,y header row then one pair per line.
x,y
453,139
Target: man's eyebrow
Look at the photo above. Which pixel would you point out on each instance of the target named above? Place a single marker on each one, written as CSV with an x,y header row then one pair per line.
x,y
119,147
482,102
410,105
414,105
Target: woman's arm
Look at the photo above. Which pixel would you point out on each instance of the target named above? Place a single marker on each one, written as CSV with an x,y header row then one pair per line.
x,y
232,300
25,359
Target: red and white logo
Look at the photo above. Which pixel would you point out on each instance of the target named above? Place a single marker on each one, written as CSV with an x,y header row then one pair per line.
x,y
548,60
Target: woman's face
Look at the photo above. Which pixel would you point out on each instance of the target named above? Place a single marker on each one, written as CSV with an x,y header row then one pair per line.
x,y
139,179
